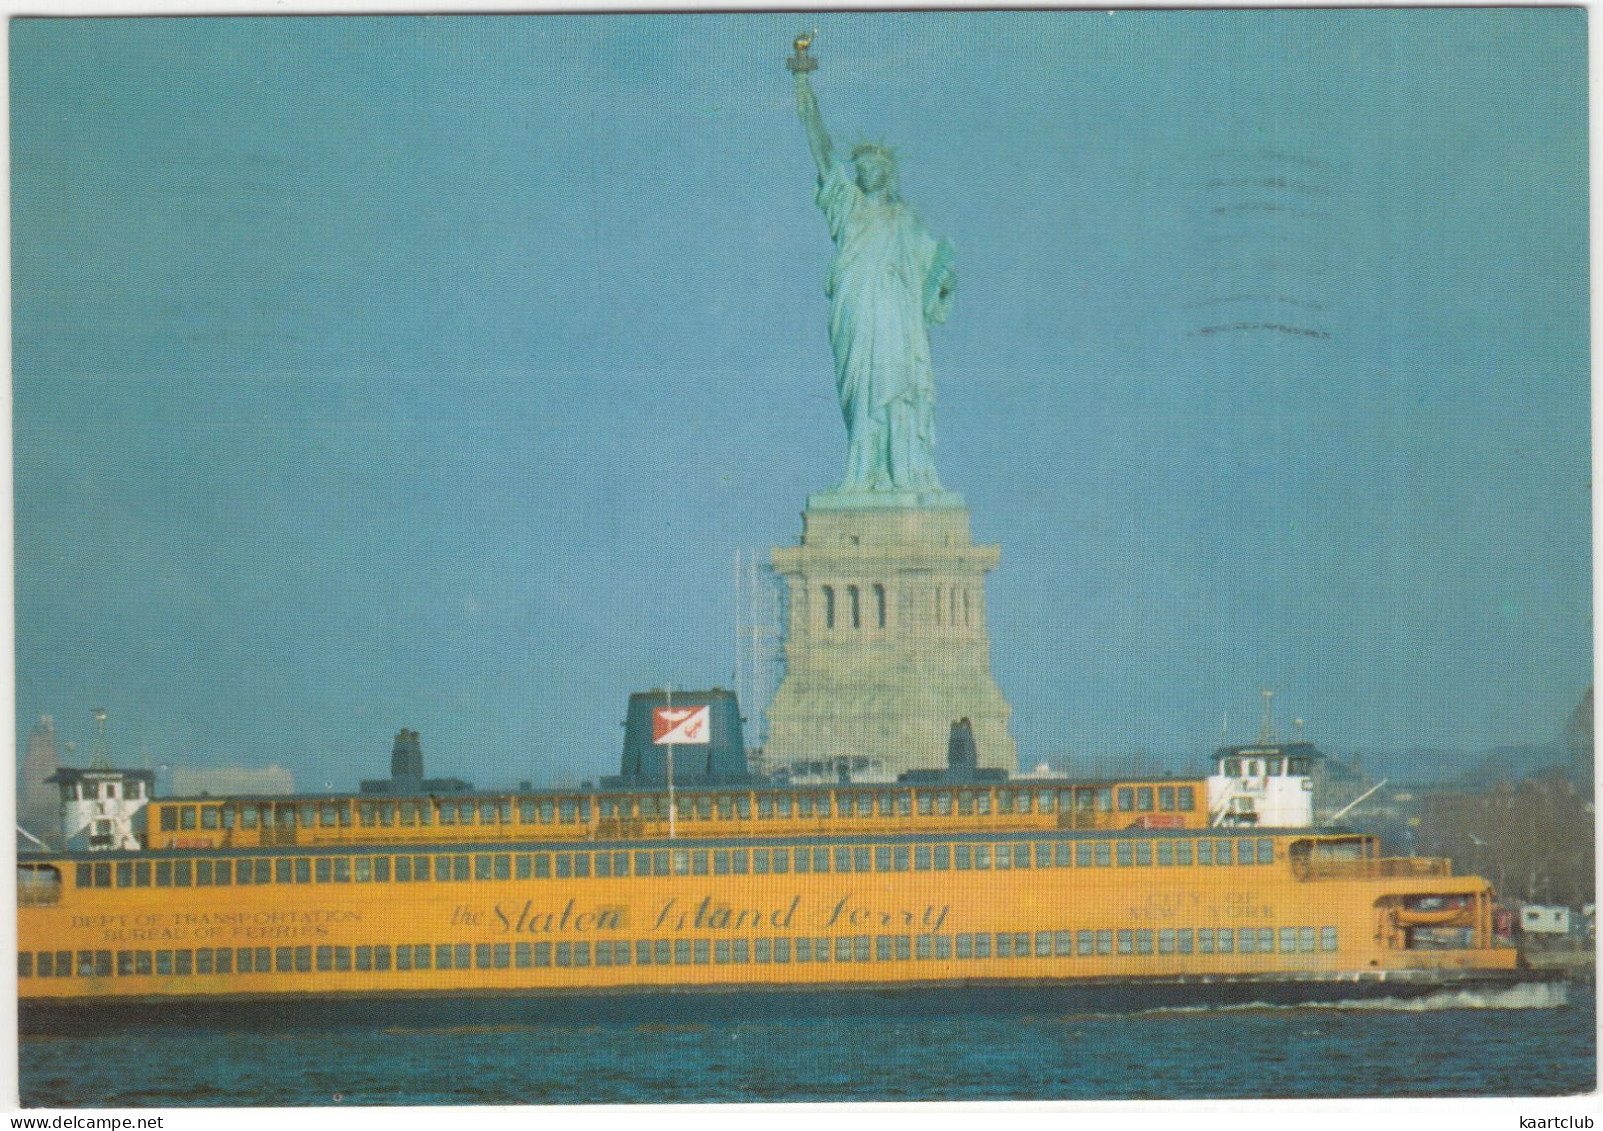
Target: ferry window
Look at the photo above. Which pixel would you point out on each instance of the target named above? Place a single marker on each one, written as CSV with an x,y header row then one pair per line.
x,y
325,869
203,873
1221,852
887,804
924,946
721,952
403,869
846,804
1062,944
1104,799
1266,940
1183,941
782,950
308,815
283,871
1182,852
681,863
420,868
720,862
965,803
1043,943
1143,799
1187,798
1244,852
1004,801
367,814
765,807
782,805
381,869
1300,766
503,867
862,947
442,956
25,964
164,962
85,876
303,870
883,948
523,955
1327,938
208,817
737,863
982,856
364,958
1165,853
1104,854
704,808
481,868
325,959
487,812
548,811
245,872
899,858
1305,940
342,869
386,814
943,804
860,860
1043,855
1205,941
1255,769
1084,943
225,812
1083,854
1045,801
1126,853
698,863
1062,854
1126,799
1274,767
1204,852
1288,940
843,860
164,873
964,857
459,869
564,865
803,860
125,875
1143,852
169,819
726,807
102,875
1166,940
526,811
804,805
781,858
882,858
1143,941
659,863
982,946
343,808
504,810
926,804
703,951
465,811
481,956
363,871
1232,767
607,807
982,801
759,861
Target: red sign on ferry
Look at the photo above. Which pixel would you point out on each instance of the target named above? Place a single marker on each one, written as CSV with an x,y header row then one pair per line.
x,y
1160,821
675,725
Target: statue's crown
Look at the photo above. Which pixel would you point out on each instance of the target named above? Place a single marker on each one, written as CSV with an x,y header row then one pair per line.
x,y
874,149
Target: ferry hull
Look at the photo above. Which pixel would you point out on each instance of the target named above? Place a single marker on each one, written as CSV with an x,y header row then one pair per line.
x,y
691,1004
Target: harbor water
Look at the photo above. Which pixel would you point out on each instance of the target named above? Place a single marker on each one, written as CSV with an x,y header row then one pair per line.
x,y
1519,1043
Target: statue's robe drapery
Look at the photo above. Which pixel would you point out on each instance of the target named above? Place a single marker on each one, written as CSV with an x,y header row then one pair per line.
x,y
888,281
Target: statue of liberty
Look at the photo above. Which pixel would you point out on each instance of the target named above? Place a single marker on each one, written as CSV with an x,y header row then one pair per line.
x,y
889,280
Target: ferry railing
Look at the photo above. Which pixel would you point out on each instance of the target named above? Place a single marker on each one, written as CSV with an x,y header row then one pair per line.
x,y
1388,867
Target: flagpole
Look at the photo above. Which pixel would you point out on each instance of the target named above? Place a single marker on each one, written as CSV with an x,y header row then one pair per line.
x,y
673,824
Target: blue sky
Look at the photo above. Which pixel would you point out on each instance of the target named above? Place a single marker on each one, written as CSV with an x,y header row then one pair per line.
x,y
429,372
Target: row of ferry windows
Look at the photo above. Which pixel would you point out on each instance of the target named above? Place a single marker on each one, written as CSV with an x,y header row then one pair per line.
x,y
676,862
678,952
694,807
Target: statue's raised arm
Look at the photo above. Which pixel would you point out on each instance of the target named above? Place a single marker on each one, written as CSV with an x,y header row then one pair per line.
x,y
818,140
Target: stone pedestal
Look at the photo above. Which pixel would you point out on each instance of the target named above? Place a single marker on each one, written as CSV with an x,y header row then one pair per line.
x,y
885,639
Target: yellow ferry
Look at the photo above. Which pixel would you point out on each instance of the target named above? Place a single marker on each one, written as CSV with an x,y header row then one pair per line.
x,y
684,888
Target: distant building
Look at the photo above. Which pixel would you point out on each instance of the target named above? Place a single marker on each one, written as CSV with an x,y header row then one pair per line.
x,y
232,782
1537,919
38,799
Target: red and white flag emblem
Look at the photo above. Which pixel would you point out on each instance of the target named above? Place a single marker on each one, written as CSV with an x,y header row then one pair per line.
x,y
681,725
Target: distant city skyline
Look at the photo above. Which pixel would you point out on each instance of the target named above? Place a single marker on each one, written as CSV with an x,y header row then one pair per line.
x,y
416,372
